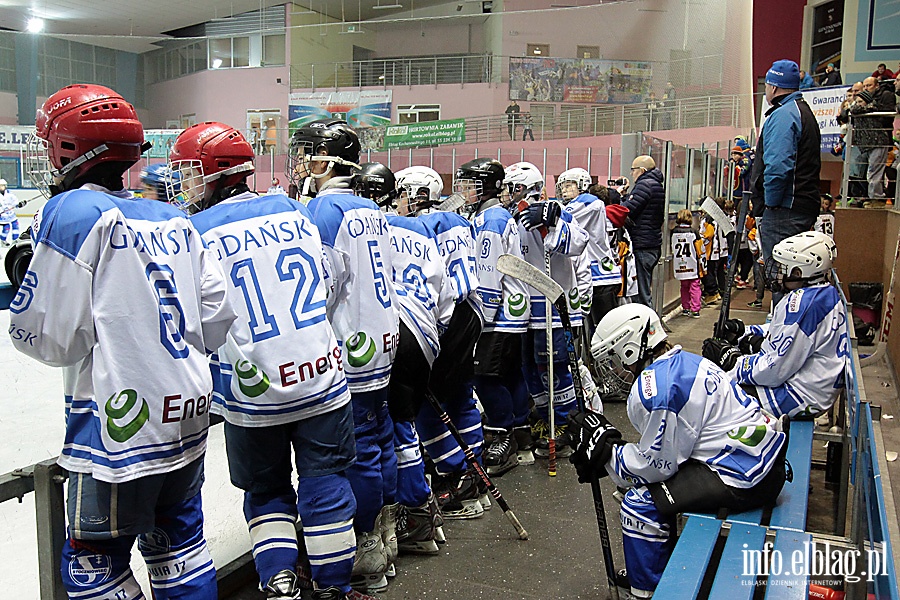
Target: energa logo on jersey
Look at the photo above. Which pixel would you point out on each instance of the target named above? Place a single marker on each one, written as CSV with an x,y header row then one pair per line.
x,y
517,304
123,419
252,380
749,435
89,569
360,349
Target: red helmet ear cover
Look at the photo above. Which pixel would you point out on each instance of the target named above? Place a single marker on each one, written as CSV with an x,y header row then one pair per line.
x,y
79,118
217,146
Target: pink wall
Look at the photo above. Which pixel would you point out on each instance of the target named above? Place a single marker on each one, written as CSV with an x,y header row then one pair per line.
x,y
218,95
407,39
9,108
457,101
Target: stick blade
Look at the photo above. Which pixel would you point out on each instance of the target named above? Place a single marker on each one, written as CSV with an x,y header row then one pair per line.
x,y
527,273
710,207
451,204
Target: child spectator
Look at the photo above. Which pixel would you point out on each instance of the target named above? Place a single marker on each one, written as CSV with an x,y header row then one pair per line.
x,y
687,262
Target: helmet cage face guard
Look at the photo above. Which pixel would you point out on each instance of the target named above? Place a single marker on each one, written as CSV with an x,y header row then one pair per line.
x,y
40,170
777,276
189,187
567,190
615,379
471,189
418,196
298,166
577,177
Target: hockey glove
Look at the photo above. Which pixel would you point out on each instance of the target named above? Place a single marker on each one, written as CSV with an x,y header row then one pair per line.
x,y
541,213
594,438
731,331
751,344
722,353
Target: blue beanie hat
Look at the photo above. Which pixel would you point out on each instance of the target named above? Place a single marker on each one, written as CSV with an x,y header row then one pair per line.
x,y
784,74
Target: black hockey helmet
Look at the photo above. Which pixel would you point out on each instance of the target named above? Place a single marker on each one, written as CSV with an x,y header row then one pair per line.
x,y
377,183
335,136
487,173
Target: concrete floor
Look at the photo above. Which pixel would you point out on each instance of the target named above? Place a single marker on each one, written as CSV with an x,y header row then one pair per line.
x,y
562,558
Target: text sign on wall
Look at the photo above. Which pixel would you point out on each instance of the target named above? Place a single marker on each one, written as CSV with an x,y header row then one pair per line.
x,y
431,133
14,137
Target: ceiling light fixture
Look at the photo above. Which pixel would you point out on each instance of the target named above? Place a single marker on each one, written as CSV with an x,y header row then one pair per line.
x,y
35,25
386,6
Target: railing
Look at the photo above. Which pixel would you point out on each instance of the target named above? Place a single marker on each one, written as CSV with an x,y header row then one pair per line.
x,y
389,72
858,153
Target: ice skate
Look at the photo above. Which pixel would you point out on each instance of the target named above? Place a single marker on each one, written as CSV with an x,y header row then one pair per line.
x,y
563,444
415,530
460,499
371,563
501,455
524,456
387,525
283,585
334,593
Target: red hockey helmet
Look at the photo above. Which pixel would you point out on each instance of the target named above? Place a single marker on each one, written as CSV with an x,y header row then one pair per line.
x,y
205,153
77,128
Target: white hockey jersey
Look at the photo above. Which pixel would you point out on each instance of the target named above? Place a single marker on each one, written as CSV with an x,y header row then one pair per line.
x,y
684,254
800,366
456,242
684,406
281,361
504,298
564,241
590,213
426,296
8,205
122,293
825,224
362,305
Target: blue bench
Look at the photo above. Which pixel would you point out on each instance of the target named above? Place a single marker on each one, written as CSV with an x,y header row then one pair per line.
x,y
702,567
790,509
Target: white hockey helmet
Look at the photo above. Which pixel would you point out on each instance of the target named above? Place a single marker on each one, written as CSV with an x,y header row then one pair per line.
x,y
806,257
571,183
422,186
523,181
625,335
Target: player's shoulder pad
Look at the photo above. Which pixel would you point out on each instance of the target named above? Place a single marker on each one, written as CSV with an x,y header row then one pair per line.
x,y
807,307
495,219
666,383
67,219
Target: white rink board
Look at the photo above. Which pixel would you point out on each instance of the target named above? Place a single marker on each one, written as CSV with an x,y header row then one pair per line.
x,y
32,423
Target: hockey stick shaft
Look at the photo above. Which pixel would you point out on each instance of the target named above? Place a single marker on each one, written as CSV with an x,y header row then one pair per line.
x,y
551,384
732,261
518,268
474,464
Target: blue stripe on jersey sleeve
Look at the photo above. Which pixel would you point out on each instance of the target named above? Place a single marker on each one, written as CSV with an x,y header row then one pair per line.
x,y
815,304
675,376
221,214
328,212
496,219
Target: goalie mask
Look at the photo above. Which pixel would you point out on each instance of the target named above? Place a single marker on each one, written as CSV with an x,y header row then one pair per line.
x,y
572,183
523,181
420,189
377,183
800,260
205,159
319,149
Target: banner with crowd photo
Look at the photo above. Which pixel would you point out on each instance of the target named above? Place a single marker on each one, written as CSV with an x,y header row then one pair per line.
x,y
360,109
825,104
162,140
580,80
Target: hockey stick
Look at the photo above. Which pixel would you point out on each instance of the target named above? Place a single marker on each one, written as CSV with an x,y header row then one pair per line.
x,y
521,270
473,463
732,261
886,316
451,204
551,385
710,207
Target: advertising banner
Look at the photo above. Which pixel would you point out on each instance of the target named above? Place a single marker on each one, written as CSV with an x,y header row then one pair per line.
x,y
360,109
824,103
14,137
162,140
432,133
587,80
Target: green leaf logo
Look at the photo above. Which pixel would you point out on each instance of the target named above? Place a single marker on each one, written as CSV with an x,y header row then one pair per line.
x,y
748,435
360,350
117,407
252,380
574,299
517,305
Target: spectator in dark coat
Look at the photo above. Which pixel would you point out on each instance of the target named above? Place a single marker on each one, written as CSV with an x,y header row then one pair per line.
x,y
832,76
646,204
873,134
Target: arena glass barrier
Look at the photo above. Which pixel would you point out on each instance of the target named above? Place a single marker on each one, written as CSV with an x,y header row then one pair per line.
x,y
866,150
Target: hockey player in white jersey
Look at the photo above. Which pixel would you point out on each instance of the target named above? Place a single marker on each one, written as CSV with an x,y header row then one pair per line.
x,y
362,308
704,444
9,222
548,230
590,212
121,293
795,364
279,379
420,283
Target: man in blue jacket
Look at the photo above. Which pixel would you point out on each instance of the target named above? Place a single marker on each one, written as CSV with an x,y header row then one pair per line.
x,y
646,204
785,175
